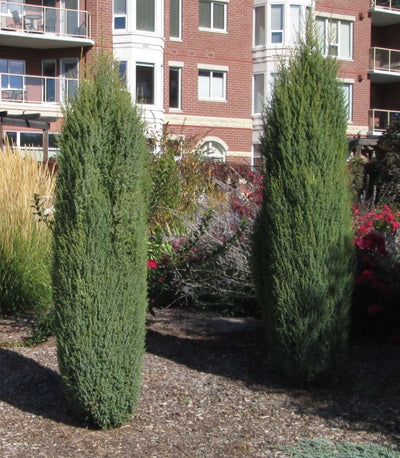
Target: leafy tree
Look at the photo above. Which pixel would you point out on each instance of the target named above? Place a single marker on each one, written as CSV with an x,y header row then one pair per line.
x,y
385,169
100,234
302,254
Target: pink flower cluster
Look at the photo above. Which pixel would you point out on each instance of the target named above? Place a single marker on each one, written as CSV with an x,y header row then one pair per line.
x,y
375,283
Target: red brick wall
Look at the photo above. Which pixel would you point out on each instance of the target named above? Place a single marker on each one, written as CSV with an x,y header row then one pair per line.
x,y
358,67
232,49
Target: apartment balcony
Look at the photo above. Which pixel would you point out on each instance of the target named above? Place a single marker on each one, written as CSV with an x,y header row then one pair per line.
x,y
384,65
385,12
42,27
16,91
381,119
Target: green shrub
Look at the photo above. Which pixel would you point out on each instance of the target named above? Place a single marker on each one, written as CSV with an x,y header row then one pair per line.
x,y
100,233
180,176
25,243
324,449
302,244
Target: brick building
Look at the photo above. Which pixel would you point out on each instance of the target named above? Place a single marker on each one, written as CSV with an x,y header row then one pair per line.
x,y
204,67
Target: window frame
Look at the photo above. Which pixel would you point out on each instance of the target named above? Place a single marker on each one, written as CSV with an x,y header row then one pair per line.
x,y
177,69
214,149
153,88
211,72
212,27
49,89
256,94
120,15
123,71
347,90
142,28
326,45
257,43
179,19
280,31
15,136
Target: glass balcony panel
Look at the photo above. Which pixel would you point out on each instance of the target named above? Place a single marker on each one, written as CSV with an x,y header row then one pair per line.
x,y
36,89
44,19
387,60
381,119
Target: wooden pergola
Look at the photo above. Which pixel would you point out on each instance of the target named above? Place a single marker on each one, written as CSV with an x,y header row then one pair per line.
x,y
31,120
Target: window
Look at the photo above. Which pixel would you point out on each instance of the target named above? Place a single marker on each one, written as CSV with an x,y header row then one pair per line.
x,y
145,84
120,16
336,37
12,79
8,6
212,14
212,85
175,19
122,69
257,156
259,26
145,15
258,93
214,150
295,23
69,69
31,140
175,87
49,80
276,24
347,89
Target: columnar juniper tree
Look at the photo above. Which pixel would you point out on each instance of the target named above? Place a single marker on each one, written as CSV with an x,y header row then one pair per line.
x,y
302,240
100,237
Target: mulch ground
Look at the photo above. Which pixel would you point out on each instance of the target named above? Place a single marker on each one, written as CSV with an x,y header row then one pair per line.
x,y
207,391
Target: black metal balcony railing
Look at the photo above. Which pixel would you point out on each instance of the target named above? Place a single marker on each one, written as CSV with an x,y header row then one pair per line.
x,y
36,89
61,22
389,4
380,119
386,60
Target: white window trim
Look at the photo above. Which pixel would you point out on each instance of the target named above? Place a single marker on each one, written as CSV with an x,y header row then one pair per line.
x,y
217,30
270,30
259,46
120,15
150,65
349,82
179,38
258,113
179,68
142,31
217,69
211,139
339,19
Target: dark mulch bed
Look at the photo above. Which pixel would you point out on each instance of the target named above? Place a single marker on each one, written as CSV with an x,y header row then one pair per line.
x,y
207,391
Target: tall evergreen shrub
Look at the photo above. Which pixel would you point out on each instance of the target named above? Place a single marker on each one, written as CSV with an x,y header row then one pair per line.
x,y
100,234
302,253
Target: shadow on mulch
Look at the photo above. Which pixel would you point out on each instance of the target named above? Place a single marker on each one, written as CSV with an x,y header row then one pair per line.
x,y
32,388
366,398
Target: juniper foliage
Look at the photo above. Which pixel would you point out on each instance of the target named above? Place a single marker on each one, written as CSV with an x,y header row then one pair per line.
x,y
100,242
302,255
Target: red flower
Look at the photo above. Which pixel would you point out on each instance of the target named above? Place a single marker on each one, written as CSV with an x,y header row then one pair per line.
x,y
152,264
161,280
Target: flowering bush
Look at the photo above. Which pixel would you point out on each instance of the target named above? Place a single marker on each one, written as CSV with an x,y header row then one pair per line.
x,y
208,266
376,311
